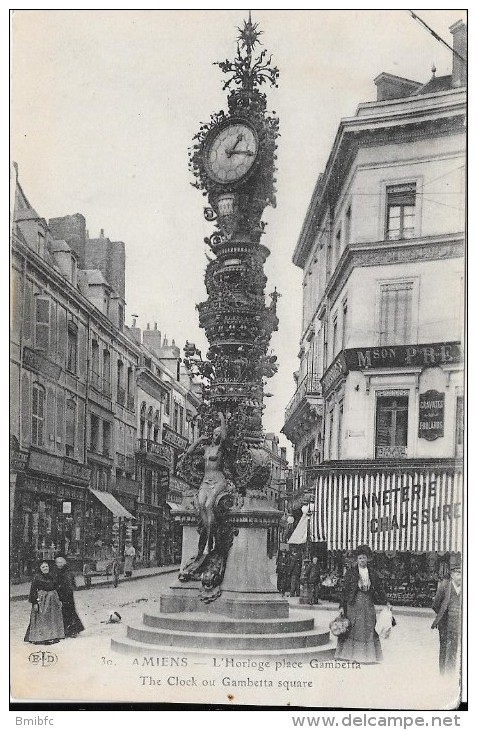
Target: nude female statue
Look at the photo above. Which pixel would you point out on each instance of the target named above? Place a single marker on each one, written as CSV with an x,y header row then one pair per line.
x,y
213,482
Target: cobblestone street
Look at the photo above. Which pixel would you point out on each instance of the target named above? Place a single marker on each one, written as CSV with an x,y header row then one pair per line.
x,y
407,679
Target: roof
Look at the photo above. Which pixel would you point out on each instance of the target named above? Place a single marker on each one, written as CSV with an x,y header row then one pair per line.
x,y
95,277
436,83
57,245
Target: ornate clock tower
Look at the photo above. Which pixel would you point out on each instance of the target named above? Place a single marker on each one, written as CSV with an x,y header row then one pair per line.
x,y
233,161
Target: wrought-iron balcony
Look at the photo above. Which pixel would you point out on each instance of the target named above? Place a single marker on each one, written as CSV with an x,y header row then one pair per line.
x,y
146,446
307,396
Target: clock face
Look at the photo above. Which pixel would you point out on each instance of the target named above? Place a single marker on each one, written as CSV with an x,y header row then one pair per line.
x,y
231,152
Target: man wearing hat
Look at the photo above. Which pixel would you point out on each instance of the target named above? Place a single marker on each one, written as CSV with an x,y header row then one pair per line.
x,y
447,606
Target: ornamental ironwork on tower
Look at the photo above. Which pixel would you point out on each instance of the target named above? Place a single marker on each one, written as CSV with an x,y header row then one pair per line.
x,y
233,162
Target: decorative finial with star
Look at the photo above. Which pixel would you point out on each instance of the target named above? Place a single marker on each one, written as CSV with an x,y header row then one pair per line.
x,y
248,35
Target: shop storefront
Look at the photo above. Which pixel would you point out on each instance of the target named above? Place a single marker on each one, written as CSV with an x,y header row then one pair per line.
x,y
48,512
108,524
409,515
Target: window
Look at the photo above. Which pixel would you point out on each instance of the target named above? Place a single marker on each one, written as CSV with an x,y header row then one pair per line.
x,y
107,372
391,424
340,425
337,246
72,349
347,226
42,323
345,323
37,415
120,316
106,438
459,425
330,434
95,375
167,404
175,422
400,211
94,434
70,427
119,383
395,313
335,336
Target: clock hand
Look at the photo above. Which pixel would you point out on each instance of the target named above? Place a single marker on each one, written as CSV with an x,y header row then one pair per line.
x,y
241,152
230,151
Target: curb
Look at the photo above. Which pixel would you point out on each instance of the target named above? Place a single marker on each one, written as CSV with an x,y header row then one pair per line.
x,y
397,610
108,583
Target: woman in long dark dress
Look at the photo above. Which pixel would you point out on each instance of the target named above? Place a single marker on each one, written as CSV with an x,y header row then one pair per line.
x,y
362,590
46,617
66,587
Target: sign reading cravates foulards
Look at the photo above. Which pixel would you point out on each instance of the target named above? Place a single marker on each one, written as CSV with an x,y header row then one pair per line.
x,y
431,415
415,510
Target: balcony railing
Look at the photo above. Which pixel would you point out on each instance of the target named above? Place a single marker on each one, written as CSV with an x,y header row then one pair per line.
x,y
310,385
146,446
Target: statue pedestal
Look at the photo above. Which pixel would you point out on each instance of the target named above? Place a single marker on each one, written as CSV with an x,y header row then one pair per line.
x,y
249,618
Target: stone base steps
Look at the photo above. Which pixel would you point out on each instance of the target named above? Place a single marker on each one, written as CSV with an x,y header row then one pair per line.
x,y
215,624
129,646
232,641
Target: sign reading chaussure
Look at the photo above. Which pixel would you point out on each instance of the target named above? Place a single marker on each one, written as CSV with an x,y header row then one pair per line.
x,y
431,415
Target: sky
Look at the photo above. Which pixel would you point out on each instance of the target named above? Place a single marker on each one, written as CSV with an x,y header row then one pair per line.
x,y
104,106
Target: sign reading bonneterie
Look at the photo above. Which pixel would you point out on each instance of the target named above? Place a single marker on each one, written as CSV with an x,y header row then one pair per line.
x,y
416,509
431,415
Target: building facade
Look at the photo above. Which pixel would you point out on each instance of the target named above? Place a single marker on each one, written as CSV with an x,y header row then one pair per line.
x,y
90,466
377,417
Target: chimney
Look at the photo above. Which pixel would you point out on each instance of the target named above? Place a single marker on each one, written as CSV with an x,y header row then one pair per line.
x,y
389,86
459,65
135,330
152,338
101,233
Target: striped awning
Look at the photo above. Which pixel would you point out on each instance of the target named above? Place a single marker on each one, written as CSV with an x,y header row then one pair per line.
x,y
112,504
416,511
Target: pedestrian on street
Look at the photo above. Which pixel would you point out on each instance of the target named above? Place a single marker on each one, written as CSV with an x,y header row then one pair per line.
x,y
66,587
129,555
295,573
46,618
312,577
361,591
448,608
282,573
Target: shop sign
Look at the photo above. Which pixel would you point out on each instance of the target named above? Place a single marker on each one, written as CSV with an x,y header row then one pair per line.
x,y
18,460
81,472
62,491
425,356
337,370
66,508
431,415
174,439
48,463
390,452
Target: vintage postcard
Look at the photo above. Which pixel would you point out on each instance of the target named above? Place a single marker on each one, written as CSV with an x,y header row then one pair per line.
x,y
237,358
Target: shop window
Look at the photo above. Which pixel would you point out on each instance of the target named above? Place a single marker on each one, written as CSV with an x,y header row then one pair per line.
x,y
395,315
391,424
37,415
459,425
70,435
72,347
400,211
42,323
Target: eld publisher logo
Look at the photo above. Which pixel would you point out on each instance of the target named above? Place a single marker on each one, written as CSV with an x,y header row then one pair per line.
x,y
42,658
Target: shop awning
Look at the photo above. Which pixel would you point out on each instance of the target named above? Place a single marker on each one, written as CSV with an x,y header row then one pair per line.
x,y
112,504
173,506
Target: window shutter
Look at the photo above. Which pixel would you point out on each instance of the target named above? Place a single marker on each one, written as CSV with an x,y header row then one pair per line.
x,y
62,334
26,408
81,434
53,329
60,420
81,351
42,323
27,317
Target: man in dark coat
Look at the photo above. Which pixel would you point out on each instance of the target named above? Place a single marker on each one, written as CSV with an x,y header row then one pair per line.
x,y
447,606
283,585
312,577
66,587
295,573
